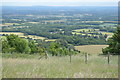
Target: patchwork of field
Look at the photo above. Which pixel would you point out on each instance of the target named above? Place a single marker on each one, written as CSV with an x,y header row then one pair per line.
x,y
15,33
20,34
90,32
60,67
91,49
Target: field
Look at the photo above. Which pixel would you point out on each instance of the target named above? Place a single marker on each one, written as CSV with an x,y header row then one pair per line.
x,y
15,33
47,36
89,31
35,37
60,67
34,22
86,30
20,34
51,40
91,49
11,24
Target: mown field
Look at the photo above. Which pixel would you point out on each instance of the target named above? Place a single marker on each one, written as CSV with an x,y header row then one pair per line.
x,y
91,49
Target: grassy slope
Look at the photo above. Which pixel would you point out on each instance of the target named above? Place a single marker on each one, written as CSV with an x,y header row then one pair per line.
x,y
0,66
60,67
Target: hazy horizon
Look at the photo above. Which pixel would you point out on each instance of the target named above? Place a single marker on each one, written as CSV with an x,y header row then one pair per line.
x,y
60,3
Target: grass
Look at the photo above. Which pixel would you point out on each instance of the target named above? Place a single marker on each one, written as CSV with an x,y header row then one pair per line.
x,y
29,66
51,40
91,49
20,34
91,31
60,67
16,33
108,33
11,23
34,22
35,37
0,65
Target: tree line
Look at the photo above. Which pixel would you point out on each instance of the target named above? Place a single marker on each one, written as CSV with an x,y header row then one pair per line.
x,y
14,44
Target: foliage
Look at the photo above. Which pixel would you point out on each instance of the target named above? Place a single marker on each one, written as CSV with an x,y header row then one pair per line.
x,y
60,48
114,44
15,44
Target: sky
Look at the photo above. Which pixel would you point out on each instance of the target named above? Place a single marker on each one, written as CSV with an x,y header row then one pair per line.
x,y
60,2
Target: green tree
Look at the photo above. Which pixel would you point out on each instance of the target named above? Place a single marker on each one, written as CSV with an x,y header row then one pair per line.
x,y
114,44
22,46
33,47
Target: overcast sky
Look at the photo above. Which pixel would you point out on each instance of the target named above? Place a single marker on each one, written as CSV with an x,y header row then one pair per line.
x,y
60,2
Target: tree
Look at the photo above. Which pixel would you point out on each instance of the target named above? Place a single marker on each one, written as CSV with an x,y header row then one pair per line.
x,y
22,46
33,47
15,44
114,44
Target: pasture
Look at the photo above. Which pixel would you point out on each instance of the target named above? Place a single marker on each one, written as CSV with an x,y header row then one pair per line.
x,y
50,40
15,33
12,24
36,37
91,49
89,31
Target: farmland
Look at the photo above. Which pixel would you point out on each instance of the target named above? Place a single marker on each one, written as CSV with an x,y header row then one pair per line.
x,y
59,42
20,34
91,32
91,49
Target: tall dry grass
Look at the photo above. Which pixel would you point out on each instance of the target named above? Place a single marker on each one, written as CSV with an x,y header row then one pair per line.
x,y
60,67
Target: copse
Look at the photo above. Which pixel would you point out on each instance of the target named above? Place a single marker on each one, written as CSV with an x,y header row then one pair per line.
x,y
13,43
114,44
61,48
